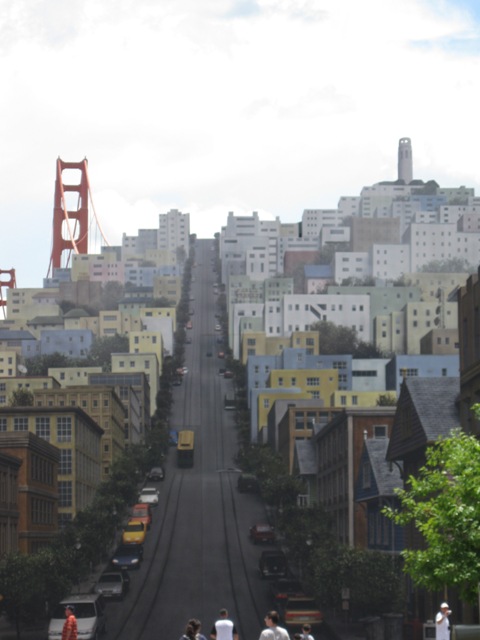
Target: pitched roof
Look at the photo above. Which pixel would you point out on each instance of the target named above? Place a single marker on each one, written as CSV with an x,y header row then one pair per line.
x,y
435,403
427,408
387,475
305,452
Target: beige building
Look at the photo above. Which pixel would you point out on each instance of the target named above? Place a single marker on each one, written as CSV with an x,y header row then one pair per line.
x,y
440,342
72,376
77,436
257,343
146,363
30,303
104,407
352,399
169,287
26,383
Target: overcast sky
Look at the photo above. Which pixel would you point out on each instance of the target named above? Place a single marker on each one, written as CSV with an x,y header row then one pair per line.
x,y
210,106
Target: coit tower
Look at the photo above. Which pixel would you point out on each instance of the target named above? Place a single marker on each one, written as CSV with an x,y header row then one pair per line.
x,y
405,167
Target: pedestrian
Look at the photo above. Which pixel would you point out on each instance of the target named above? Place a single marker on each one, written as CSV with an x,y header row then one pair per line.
x,y
189,633
273,631
69,631
442,626
223,629
306,632
197,625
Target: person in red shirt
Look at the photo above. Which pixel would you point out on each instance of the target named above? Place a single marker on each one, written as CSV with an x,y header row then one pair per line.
x,y
69,631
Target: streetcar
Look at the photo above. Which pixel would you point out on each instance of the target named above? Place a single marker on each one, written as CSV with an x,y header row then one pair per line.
x,y
185,448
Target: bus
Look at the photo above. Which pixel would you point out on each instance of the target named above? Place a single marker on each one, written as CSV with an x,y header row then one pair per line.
x,y
185,448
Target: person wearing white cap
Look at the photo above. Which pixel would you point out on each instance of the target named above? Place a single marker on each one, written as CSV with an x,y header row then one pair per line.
x,y
442,626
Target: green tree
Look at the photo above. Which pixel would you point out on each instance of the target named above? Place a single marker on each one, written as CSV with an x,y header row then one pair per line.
x,y
386,400
443,503
335,339
103,347
21,398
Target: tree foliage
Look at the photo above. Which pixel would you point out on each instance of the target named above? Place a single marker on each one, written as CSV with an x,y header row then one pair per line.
x,y
373,579
337,340
443,502
21,398
452,265
102,349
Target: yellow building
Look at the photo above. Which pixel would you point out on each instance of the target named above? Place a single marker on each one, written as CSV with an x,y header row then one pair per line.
x,y
146,363
257,343
352,399
160,312
31,303
71,376
8,363
77,436
103,405
147,342
120,323
169,287
307,384
27,383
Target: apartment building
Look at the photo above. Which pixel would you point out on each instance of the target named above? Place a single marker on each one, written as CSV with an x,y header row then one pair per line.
x,y
37,488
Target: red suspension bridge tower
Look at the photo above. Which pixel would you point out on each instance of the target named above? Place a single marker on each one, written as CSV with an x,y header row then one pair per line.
x,y
70,213
7,279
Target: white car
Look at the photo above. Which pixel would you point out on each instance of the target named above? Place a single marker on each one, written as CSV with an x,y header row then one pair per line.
x,y
149,495
218,327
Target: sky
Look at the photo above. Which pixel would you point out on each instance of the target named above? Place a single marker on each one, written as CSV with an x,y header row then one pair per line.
x,y
211,106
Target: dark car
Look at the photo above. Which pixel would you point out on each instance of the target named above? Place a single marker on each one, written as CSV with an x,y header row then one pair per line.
x,y
273,564
262,533
247,483
128,556
209,354
228,374
285,588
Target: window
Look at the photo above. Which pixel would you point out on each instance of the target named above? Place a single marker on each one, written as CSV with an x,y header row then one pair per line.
x,y
3,424
65,466
266,403
379,431
64,429
366,475
64,493
42,427
20,424
313,382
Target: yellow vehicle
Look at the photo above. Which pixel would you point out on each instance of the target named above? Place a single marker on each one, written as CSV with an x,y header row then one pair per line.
x,y
185,448
134,533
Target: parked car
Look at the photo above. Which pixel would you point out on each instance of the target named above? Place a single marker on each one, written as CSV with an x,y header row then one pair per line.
x,y
247,483
262,533
125,575
149,495
285,588
143,512
173,437
273,564
177,380
89,612
156,473
221,371
209,354
228,374
128,556
188,340
135,532
221,354
302,610
218,327
111,585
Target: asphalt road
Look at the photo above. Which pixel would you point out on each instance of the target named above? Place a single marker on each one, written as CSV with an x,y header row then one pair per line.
x,y
198,557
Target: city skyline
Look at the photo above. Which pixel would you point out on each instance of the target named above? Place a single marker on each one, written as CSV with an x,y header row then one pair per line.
x,y
264,106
